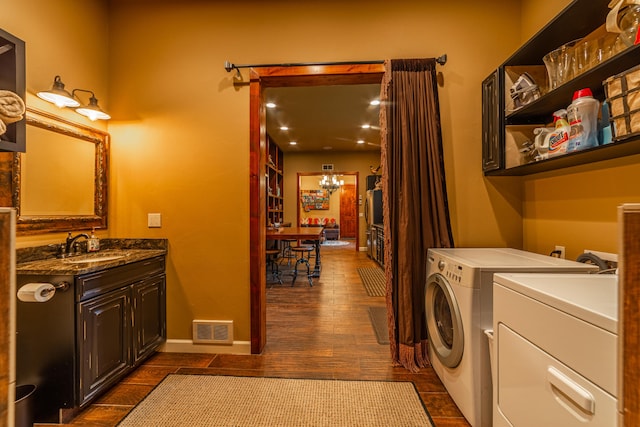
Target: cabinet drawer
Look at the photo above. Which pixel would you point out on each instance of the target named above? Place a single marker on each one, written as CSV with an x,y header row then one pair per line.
x,y
93,284
535,389
567,344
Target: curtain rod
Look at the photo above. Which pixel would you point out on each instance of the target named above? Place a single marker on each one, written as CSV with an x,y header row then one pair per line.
x,y
442,59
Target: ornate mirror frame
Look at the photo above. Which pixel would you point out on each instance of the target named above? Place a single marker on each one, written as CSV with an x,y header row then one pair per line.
x,y
10,178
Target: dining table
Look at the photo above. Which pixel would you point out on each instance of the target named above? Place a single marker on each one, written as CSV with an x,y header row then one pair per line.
x,y
301,234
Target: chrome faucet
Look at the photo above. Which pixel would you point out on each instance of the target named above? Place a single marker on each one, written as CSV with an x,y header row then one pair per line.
x,y
70,241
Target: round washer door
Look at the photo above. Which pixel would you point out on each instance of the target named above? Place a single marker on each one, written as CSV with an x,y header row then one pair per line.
x,y
444,322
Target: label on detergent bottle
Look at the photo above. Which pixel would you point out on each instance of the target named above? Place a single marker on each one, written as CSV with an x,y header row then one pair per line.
x,y
558,142
576,135
559,138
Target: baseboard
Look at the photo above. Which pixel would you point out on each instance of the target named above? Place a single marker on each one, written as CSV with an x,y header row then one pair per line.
x,y
187,346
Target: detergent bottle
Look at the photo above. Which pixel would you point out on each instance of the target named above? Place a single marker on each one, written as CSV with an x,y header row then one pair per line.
x,y
582,115
558,139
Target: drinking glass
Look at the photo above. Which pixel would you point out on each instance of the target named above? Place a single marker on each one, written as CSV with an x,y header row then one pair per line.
x,y
566,63
582,56
551,62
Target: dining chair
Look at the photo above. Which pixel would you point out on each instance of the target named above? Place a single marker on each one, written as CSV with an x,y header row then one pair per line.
x,y
302,259
272,263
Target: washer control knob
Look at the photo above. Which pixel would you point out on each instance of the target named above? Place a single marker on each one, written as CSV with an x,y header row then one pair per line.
x,y
441,265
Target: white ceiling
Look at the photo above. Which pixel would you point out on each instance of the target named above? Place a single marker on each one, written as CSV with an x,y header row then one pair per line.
x,y
320,117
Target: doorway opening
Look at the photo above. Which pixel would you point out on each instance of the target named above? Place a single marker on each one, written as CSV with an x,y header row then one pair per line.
x,y
261,78
340,214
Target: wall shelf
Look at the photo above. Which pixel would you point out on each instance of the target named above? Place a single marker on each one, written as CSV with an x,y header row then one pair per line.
x,y
579,19
596,154
275,179
12,78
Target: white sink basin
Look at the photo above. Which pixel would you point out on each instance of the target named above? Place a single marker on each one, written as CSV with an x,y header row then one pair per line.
x,y
83,259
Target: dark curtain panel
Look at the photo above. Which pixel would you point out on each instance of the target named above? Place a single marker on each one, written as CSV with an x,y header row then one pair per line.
x,y
416,212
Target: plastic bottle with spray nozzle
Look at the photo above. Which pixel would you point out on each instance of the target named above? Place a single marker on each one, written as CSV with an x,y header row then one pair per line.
x,y
559,138
553,142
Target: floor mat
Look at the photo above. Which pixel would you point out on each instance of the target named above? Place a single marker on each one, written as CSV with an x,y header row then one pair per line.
x,y
373,281
210,400
335,243
378,317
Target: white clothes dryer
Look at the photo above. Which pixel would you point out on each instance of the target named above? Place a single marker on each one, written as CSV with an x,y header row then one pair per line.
x,y
459,307
562,368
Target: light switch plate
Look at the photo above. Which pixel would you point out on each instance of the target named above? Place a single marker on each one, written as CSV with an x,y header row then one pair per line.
x,y
154,220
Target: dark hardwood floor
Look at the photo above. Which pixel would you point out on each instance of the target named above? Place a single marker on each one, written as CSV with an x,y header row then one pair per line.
x,y
321,332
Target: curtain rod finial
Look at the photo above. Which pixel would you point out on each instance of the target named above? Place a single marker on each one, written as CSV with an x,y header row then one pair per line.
x,y
442,59
228,66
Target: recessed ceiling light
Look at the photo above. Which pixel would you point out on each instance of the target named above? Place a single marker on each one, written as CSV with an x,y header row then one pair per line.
x,y
271,105
375,102
361,141
284,128
367,126
293,143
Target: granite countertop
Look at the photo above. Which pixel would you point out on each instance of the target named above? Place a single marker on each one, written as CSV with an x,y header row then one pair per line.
x,y
113,253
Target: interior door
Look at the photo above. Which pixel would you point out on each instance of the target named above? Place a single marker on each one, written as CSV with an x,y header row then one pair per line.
x,y
348,211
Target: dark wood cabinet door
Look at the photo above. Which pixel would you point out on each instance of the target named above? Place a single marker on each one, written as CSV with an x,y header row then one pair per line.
x,y
104,348
492,112
149,316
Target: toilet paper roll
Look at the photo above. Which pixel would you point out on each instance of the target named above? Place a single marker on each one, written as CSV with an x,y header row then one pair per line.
x,y
36,292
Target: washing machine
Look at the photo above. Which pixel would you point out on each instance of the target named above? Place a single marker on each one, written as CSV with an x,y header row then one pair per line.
x,y
459,308
562,368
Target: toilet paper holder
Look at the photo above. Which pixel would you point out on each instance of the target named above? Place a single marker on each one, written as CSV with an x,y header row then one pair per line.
x,y
62,286
41,292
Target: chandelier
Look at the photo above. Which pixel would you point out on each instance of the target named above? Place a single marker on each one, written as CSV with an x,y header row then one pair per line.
x,y
330,183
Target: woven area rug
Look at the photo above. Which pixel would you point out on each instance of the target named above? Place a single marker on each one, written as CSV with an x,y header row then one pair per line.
x,y
335,243
210,400
373,281
378,317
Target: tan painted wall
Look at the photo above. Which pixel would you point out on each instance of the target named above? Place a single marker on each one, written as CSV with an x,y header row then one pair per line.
x,y
536,14
180,127
61,39
575,207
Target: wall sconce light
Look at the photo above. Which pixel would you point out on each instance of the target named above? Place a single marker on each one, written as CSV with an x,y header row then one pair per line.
x,y
62,98
92,110
58,95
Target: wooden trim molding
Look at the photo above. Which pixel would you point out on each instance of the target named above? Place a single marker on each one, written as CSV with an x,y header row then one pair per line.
x,y
261,78
7,314
629,313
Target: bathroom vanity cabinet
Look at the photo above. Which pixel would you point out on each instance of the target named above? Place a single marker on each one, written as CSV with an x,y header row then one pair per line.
x,y
120,320
76,345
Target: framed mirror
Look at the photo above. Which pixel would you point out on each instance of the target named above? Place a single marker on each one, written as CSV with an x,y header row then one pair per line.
x,y
60,183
